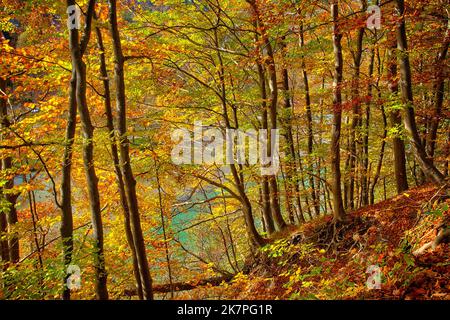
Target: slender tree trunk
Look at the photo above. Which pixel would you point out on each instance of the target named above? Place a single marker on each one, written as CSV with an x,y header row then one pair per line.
x,y
66,228
291,171
347,171
230,234
267,214
267,211
263,219
365,174
116,162
77,49
380,157
320,159
356,180
327,191
7,164
163,224
4,248
271,69
356,118
302,181
338,207
399,155
34,221
125,161
383,137
92,182
438,95
426,165
255,238
401,178
256,241
300,214
222,235
314,194
447,155
274,193
286,122
287,191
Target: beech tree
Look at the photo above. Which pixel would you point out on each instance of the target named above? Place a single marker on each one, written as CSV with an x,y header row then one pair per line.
x,y
338,206
124,160
77,50
407,97
116,176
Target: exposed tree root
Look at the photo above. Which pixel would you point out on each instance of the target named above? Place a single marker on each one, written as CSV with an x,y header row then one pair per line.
x,y
443,236
340,236
442,231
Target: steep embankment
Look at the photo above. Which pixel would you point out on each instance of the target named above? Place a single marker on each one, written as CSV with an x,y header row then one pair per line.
x,y
322,260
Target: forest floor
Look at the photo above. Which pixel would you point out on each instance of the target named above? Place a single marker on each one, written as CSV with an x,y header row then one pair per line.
x,y
321,260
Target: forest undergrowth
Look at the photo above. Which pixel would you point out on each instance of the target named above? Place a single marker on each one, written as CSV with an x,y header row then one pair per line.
x,y
324,260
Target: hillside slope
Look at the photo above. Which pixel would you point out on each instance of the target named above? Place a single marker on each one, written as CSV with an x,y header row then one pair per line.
x,y
324,261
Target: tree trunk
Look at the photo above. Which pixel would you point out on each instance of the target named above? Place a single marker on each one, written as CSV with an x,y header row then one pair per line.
x,y
447,155
255,238
77,49
163,224
116,162
256,241
356,118
365,173
66,228
125,164
438,95
4,249
302,181
270,61
291,170
425,164
274,194
6,164
287,198
267,211
383,137
338,207
314,194
380,158
401,178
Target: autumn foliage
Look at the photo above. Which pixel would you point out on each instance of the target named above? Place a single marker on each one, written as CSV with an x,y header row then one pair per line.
x,y
92,205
